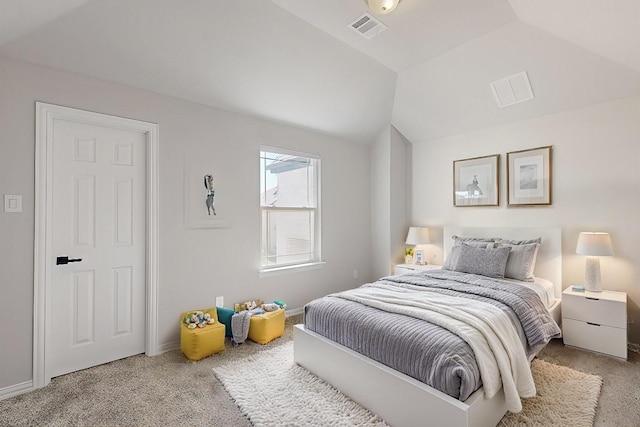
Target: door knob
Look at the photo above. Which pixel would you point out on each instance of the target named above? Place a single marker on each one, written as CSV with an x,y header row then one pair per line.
x,y
62,260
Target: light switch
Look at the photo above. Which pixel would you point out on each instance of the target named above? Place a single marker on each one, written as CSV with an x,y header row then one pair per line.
x,y
13,203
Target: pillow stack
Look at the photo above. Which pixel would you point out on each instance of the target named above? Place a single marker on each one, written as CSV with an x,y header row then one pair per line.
x,y
494,257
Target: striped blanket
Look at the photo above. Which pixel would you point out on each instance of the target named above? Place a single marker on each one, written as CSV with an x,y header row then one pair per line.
x,y
452,331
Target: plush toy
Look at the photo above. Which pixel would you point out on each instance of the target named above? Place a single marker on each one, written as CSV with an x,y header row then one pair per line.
x,y
257,307
210,320
249,305
270,307
198,319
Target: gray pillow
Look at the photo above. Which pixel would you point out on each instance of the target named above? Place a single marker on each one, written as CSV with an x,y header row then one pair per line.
x,y
451,261
478,242
521,261
518,242
486,262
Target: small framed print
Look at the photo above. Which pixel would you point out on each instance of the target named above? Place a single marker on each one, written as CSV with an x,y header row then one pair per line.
x,y
529,177
408,255
476,181
206,202
418,256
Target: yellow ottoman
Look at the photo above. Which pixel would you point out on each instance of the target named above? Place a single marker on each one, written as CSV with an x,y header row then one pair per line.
x,y
199,343
266,327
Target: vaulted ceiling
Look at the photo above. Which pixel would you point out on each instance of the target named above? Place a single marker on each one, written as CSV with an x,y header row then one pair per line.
x,y
298,62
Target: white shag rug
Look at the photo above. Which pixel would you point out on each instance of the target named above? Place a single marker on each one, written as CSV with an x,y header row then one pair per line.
x,y
271,390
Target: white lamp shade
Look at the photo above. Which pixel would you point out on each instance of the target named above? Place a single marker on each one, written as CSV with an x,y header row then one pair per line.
x,y
382,7
594,244
418,236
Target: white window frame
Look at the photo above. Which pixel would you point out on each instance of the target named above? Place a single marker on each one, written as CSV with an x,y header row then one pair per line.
x,y
316,262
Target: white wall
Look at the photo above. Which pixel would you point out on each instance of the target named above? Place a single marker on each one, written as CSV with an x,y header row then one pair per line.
x,y
400,180
196,265
381,204
389,192
596,154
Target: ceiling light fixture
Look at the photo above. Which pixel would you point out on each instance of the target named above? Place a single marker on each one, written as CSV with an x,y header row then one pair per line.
x,y
382,7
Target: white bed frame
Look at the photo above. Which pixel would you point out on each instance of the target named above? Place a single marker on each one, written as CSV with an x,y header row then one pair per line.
x,y
399,399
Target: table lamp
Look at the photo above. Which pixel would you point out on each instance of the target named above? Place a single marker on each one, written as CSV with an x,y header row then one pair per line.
x,y
593,245
418,236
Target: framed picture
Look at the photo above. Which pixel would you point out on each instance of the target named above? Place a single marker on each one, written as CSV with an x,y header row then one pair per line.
x,y
419,256
476,181
408,255
529,177
206,202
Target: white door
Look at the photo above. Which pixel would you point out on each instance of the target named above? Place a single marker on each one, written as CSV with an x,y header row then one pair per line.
x,y
96,300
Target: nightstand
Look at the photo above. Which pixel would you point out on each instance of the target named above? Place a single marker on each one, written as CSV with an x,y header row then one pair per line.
x,y
399,269
595,321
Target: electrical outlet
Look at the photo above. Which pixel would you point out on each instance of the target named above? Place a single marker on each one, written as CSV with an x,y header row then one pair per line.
x,y
219,301
13,203
355,274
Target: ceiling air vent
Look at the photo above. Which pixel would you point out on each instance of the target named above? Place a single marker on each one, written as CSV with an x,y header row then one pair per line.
x,y
367,26
512,90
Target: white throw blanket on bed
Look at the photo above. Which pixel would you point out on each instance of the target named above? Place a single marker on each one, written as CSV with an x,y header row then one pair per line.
x,y
487,329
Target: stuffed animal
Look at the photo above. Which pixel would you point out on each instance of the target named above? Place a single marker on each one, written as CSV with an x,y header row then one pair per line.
x,y
249,305
198,319
270,307
257,307
210,320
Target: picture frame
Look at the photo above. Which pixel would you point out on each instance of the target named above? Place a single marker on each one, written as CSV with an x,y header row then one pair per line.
x,y
476,181
198,211
408,255
418,256
529,177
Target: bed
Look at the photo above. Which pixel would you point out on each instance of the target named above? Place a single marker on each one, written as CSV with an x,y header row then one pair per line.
x,y
402,399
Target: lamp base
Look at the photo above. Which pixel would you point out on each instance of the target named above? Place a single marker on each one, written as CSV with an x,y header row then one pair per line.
x,y
592,281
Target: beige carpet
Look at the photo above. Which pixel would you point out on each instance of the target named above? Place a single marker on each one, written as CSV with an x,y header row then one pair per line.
x,y
272,391
565,397
168,390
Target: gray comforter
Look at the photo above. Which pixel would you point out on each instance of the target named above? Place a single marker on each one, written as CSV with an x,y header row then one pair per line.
x,y
422,350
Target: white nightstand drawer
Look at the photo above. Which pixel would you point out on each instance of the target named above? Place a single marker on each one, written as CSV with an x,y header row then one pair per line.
x,y
592,309
603,339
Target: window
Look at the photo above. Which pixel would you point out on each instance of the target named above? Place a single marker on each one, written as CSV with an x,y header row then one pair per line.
x,y
290,205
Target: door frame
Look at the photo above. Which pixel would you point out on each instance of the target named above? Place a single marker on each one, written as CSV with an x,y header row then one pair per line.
x,y
43,256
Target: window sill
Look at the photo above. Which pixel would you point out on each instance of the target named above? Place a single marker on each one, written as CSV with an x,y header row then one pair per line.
x,y
277,271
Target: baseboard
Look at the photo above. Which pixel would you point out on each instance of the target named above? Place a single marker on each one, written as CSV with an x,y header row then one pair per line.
x,y
170,346
293,312
14,390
